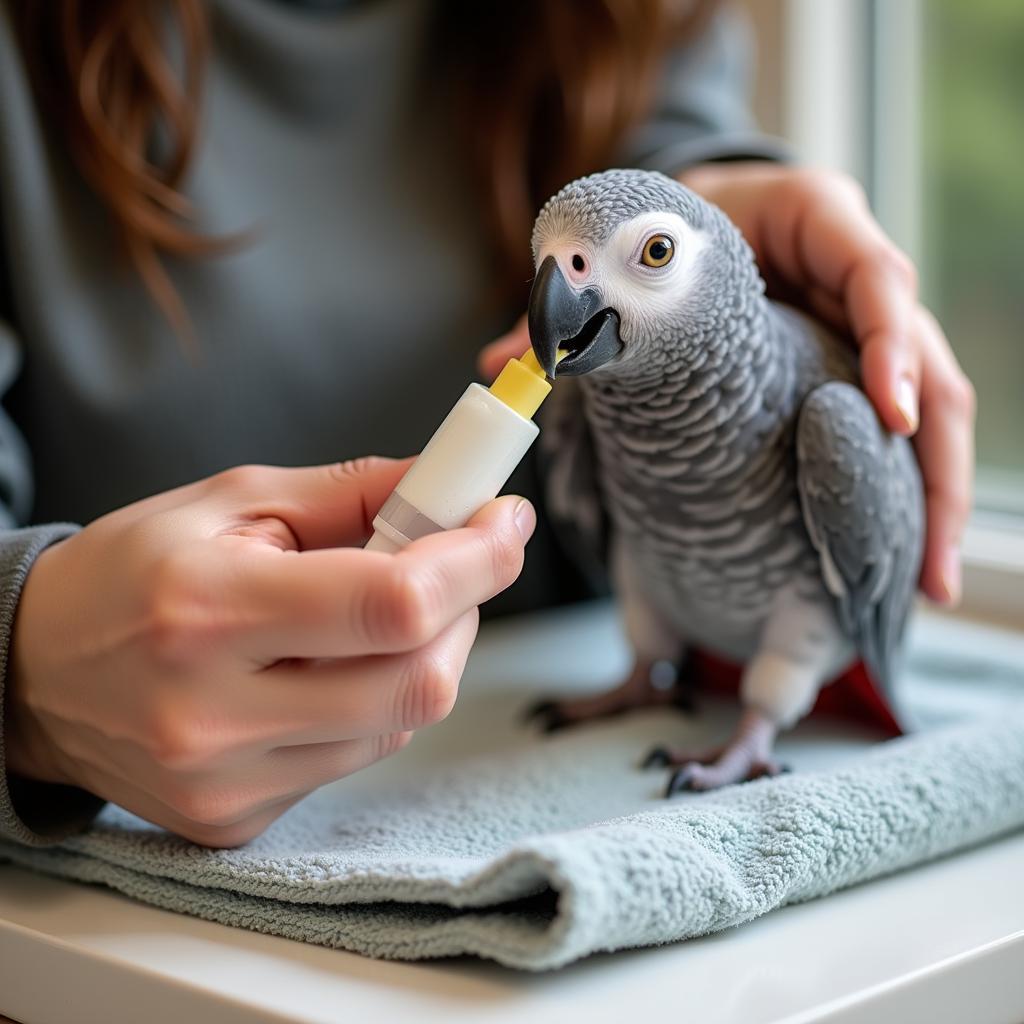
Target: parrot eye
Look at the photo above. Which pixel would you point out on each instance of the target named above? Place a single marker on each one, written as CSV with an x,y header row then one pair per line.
x,y
658,251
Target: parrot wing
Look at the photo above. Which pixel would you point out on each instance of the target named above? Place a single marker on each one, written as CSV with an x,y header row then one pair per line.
x,y
570,471
860,489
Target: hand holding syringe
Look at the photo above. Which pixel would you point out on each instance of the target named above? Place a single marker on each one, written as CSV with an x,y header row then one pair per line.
x,y
469,458
225,650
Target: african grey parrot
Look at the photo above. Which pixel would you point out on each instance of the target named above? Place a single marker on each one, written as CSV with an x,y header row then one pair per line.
x,y
718,447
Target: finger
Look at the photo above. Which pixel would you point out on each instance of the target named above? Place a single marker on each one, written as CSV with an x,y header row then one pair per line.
x,y
880,309
827,308
945,451
346,602
193,809
229,811
297,770
224,835
322,506
821,235
494,356
275,779
359,698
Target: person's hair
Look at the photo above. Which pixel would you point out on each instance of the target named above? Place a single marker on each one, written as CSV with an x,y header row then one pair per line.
x,y
547,91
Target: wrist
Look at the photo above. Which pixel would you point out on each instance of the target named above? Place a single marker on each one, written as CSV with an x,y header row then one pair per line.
x,y
29,748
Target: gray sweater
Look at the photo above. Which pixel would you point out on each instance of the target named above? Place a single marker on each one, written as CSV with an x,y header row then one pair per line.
x,y
320,130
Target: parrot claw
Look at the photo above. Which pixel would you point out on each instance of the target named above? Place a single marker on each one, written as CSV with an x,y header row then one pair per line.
x,y
681,781
548,715
649,684
669,757
747,756
657,757
695,777
537,710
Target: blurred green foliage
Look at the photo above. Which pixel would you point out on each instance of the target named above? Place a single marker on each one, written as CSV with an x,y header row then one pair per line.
x,y
973,262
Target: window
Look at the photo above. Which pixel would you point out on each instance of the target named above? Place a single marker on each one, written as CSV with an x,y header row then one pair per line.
x,y
972,215
923,101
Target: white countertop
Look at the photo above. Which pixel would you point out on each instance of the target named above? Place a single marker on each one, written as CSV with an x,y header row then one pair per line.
x,y
941,943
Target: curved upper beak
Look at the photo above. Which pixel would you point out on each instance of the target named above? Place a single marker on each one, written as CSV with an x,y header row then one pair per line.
x,y
578,322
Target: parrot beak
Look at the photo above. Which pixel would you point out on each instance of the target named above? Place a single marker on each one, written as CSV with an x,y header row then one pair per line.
x,y
574,321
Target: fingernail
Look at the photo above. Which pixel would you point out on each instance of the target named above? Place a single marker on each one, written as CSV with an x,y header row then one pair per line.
x,y
526,519
906,402
950,575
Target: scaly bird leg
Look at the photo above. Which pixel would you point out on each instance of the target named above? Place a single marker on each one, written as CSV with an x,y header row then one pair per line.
x,y
747,756
661,676
802,646
649,684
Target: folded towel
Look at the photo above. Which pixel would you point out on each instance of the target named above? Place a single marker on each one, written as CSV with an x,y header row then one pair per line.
x,y
536,852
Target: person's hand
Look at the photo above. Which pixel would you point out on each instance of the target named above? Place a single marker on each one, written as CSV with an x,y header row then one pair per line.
x,y
206,657
819,247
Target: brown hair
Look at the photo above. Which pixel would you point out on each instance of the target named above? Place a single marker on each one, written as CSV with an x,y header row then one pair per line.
x,y
558,83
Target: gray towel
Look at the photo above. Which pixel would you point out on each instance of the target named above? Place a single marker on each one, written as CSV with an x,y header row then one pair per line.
x,y
537,852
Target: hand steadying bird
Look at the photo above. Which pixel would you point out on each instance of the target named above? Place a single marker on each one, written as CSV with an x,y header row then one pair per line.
x,y
718,450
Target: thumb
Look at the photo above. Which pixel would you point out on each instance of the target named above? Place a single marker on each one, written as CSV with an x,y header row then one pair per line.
x,y
327,506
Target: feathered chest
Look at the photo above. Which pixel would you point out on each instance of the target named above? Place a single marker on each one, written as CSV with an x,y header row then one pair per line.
x,y
702,509
699,478
698,458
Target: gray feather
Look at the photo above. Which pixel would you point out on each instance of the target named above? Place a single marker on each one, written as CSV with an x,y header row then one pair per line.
x,y
572,488
861,499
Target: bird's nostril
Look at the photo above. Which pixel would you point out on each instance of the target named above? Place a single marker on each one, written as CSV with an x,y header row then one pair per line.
x,y
578,263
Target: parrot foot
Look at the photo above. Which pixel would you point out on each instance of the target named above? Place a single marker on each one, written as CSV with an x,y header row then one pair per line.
x,y
695,777
672,757
747,756
649,684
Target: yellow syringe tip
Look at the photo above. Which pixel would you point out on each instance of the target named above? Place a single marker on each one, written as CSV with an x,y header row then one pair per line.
x,y
522,385
530,361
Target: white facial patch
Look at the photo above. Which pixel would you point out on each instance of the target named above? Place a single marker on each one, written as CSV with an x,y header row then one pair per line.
x,y
643,296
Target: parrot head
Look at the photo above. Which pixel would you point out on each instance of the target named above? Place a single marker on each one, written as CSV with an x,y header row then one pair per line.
x,y
633,269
